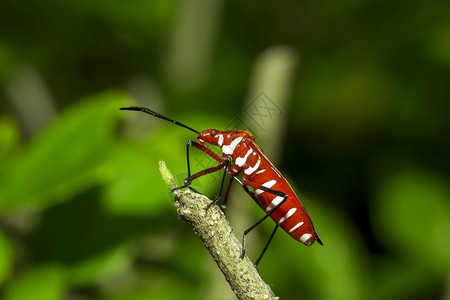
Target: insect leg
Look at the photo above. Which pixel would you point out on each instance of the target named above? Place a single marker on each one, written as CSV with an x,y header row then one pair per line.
x,y
227,163
225,199
269,190
206,150
188,180
223,163
267,245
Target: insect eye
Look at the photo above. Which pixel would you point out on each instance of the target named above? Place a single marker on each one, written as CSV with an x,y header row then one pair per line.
x,y
213,132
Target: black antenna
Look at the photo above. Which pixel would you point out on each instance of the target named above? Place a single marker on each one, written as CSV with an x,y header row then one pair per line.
x,y
155,114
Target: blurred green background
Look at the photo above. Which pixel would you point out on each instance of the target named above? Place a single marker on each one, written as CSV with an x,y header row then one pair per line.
x,y
361,132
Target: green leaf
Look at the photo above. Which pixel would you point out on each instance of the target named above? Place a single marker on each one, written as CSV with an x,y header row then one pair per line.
x,y
100,267
412,215
138,188
9,136
6,257
67,157
338,267
40,283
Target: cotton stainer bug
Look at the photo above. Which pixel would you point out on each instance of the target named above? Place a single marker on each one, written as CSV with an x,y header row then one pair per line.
x,y
260,179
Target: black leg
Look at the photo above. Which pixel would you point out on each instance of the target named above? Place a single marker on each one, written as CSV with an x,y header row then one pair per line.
x,y
267,245
227,163
188,181
205,149
225,200
223,163
247,231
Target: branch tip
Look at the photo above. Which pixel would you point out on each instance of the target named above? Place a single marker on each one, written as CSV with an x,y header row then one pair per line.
x,y
218,237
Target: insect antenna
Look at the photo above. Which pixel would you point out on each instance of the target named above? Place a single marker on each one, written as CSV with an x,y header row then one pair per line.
x,y
155,114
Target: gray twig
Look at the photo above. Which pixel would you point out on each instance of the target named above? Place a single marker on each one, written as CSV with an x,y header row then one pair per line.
x,y
218,237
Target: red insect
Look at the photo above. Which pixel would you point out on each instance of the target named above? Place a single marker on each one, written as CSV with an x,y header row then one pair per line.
x,y
260,179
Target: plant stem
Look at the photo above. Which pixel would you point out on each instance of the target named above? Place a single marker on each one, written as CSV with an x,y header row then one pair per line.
x,y
218,237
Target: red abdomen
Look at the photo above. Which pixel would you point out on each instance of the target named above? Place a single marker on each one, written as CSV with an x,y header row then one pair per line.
x,y
291,215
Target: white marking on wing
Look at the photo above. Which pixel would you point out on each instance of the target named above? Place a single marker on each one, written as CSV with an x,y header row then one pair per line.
x,y
240,161
250,170
277,200
305,237
229,149
267,184
287,215
296,226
